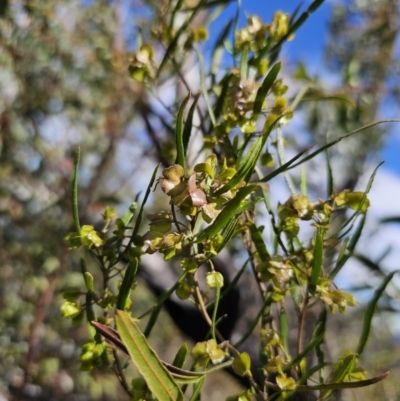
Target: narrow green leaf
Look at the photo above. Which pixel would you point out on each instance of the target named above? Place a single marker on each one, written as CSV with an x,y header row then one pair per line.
x,y
146,196
317,338
227,233
197,389
157,377
317,259
338,97
180,158
265,87
343,385
341,370
284,331
369,313
229,211
259,242
214,3
360,208
127,283
284,167
246,167
342,258
181,355
129,214
303,181
287,395
334,142
393,219
315,5
139,218
187,131
184,376
330,184
243,63
373,266
75,211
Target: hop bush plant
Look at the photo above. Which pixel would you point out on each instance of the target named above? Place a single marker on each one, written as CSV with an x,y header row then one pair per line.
x,y
213,203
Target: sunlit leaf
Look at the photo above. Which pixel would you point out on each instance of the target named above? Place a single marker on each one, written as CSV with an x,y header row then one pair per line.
x,y
157,377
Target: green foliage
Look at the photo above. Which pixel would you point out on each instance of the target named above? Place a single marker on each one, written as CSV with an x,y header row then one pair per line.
x,y
205,204
221,192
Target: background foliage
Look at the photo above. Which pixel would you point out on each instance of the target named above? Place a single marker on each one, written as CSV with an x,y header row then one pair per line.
x,y
64,80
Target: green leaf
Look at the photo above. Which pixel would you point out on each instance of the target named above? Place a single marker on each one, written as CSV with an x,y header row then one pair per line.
x,y
394,219
284,331
197,390
341,386
316,339
75,211
284,167
338,97
265,87
187,131
334,142
330,184
180,158
229,211
228,232
246,166
243,63
258,241
146,196
317,259
127,283
157,377
181,355
369,313
340,372
129,214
